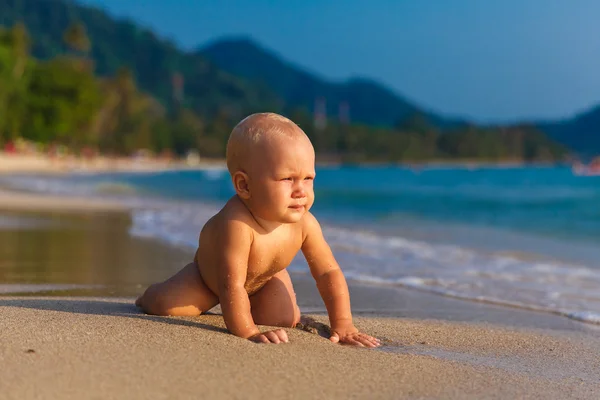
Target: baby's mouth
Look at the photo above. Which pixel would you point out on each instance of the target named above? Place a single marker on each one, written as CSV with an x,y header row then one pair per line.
x,y
297,206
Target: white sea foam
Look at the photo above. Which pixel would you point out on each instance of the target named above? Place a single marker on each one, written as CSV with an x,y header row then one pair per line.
x,y
562,288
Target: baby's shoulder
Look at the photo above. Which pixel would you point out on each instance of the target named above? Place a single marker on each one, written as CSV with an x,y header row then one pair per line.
x,y
232,218
309,221
309,224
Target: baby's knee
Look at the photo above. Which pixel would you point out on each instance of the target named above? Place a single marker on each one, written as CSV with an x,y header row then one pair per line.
x,y
152,302
296,319
291,319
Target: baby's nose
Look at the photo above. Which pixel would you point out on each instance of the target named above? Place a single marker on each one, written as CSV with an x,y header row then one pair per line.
x,y
299,190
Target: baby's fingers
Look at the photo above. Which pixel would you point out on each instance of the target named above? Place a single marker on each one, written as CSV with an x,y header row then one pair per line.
x,y
272,336
368,341
277,336
282,335
353,340
259,338
362,340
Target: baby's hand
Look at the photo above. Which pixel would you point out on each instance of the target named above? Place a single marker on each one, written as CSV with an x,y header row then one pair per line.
x,y
276,336
350,335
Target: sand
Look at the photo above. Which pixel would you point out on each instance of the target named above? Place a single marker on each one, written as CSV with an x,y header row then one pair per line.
x,y
76,346
43,164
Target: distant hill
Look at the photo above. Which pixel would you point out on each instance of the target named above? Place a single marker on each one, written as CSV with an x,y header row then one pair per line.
x,y
368,102
580,133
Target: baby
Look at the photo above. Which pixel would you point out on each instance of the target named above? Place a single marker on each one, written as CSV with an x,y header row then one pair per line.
x,y
245,248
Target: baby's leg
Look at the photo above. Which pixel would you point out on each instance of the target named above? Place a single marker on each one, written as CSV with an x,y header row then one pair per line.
x,y
184,294
275,303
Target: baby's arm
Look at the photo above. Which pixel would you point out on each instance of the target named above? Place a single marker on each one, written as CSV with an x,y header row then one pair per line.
x,y
332,286
236,238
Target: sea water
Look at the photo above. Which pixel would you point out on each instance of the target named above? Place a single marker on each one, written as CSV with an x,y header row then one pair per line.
x,y
520,236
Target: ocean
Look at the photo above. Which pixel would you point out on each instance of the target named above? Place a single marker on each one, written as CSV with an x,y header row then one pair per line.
x,y
526,237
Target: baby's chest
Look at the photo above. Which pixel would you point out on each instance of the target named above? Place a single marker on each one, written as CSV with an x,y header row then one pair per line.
x,y
267,257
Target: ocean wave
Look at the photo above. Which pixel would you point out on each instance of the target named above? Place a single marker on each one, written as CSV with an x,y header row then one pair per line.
x,y
527,282
382,256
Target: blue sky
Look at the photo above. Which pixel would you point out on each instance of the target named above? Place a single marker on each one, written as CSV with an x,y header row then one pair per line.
x,y
489,60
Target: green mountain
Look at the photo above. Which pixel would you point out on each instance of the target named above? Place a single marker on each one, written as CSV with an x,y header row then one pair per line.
x,y
368,102
117,43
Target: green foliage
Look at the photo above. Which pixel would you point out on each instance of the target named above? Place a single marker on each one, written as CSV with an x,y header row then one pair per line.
x,y
62,100
61,27
14,77
76,38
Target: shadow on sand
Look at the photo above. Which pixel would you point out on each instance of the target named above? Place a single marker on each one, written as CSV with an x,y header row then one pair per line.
x,y
119,308
127,309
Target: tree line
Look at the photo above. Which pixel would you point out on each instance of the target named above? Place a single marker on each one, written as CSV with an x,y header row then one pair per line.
x,y
62,101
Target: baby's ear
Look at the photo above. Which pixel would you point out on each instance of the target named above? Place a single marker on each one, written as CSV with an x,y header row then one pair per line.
x,y
240,184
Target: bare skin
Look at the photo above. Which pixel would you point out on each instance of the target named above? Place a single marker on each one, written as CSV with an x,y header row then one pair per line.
x,y
245,248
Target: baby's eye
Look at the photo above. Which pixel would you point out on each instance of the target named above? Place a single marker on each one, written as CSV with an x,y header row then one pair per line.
x,y
309,178
286,179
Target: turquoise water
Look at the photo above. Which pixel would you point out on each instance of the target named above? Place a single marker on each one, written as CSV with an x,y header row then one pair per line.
x,y
541,201
527,237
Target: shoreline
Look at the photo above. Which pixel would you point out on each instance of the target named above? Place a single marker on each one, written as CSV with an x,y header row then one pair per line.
x,y
23,201
41,164
14,200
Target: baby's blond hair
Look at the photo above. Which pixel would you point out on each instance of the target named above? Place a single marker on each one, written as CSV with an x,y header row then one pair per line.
x,y
253,129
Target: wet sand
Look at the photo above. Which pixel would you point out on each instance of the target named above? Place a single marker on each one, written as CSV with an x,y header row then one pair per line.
x,y
91,341
20,201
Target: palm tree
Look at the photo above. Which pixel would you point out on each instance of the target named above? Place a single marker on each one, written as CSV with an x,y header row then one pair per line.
x,y
13,80
20,44
76,38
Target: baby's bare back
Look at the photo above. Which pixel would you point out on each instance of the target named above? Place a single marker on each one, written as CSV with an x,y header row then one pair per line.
x,y
270,252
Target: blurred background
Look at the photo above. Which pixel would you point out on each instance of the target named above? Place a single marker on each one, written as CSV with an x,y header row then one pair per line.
x,y
456,140
391,81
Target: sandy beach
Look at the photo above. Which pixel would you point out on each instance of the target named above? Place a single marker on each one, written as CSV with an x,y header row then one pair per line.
x,y
104,347
90,341
42,164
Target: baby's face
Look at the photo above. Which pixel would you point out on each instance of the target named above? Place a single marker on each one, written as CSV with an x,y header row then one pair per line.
x,y
281,179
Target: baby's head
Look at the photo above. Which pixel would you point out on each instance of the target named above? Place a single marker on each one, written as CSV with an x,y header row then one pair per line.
x,y
272,166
